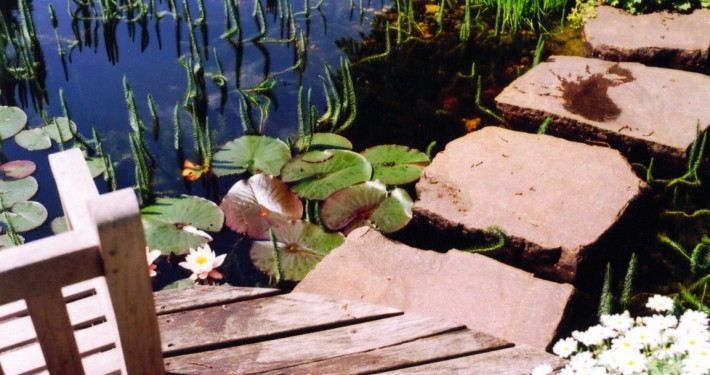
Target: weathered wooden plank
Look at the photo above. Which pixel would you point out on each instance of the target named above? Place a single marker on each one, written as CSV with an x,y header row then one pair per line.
x,y
517,360
20,331
29,359
261,318
316,346
199,296
425,350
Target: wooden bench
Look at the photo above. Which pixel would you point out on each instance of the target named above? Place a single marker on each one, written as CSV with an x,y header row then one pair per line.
x,y
221,330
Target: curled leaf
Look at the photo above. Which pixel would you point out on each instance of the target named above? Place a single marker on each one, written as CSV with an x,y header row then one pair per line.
x,y
251,206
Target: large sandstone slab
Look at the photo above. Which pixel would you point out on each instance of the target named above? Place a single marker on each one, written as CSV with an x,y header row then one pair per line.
x,y
484,294
672,40
557,200
625,105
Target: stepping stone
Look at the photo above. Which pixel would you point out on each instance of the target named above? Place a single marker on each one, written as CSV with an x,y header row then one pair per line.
x,y
624,105
558,201
472,289
672,40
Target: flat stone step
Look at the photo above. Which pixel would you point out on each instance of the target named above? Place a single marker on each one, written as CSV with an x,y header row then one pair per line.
x,y
672,40
624,105
559,202
472,289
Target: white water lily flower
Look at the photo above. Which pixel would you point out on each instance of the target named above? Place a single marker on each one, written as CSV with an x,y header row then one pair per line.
x,y
660,303
151,256
202,262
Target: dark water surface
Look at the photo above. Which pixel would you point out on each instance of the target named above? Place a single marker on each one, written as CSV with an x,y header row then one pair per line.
x,y
418,94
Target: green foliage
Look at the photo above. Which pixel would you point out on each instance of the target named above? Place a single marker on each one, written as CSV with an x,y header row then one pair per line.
x,y
649,6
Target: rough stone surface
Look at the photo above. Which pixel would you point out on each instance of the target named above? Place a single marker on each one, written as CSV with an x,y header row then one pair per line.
x,y
680,41
625,105
484,294
555,199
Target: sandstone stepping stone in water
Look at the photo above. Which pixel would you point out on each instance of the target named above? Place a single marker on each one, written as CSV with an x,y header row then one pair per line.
x,y
558,201
472,289
672,40
620,104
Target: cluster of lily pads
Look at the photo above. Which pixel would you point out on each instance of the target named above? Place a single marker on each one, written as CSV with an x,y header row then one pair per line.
x,y
296,208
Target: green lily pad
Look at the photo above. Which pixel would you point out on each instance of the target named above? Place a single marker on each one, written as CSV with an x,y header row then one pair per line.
x,y
394,212
301,245
367,203
16,191
318,174
17,169
352,207
33,139
177,224
323,141
25,216
251,152
6,241
395,164
12,120
96,165
182,283
252,206
59,225
68,129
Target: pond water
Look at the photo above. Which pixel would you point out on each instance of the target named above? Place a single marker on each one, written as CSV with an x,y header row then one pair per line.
x,y
423,91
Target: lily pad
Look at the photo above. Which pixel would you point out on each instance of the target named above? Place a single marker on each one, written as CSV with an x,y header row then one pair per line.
x,y
254,153
182,283
6,241
318,174
16,191
395,164
12,120
96,165
177,224
394,212
17,169
33,139
68,129
301,245
352,207
252,206
59,225
368,203
25,216
321,141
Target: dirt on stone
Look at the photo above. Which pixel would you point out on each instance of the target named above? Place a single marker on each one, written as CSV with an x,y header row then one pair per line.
x,y
588,96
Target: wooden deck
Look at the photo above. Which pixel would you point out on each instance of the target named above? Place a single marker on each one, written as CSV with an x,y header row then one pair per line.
x,y
233,330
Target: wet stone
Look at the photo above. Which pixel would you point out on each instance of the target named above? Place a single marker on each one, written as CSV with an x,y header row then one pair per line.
x,y
560,202
623,105
672,40
486,295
